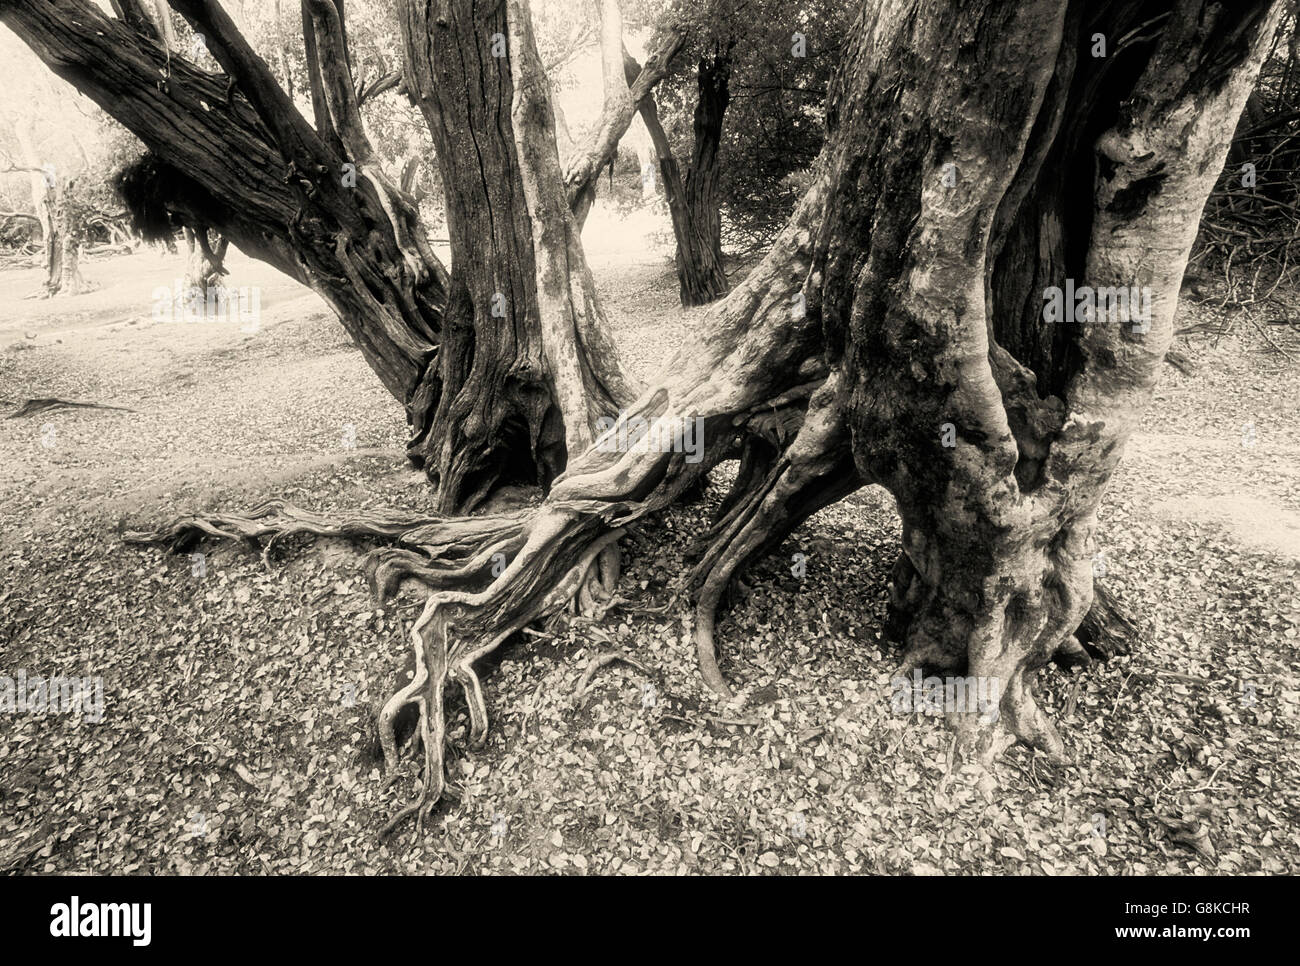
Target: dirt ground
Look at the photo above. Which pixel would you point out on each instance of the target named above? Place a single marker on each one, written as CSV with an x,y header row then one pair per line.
x,y
239,693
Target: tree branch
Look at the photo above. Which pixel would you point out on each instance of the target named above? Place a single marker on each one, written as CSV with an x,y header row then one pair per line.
x,y
298,142
134,13
381,84
623,96
336,77
315,83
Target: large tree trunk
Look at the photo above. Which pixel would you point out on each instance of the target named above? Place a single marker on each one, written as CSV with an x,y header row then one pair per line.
x,y
509,390
1039,165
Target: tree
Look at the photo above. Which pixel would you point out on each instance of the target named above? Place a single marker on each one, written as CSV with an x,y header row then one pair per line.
x,y
57,163
907,329
503,365
693,201
780,77
743,107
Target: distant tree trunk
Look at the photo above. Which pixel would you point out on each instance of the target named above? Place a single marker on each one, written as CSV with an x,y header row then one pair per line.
x,y
699,262
694,204
206,265
44,182
62,243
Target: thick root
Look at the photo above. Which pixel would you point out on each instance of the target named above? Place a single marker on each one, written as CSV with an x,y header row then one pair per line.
x,y
275,520
991,622
815,470
440,656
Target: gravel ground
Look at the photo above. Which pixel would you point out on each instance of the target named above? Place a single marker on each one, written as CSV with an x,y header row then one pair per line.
x,y
239,695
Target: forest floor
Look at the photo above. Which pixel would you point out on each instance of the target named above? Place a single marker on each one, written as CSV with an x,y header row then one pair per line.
x,y
239,695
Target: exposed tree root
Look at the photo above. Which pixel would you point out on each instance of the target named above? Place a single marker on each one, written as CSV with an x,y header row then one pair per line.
x,y
595,664
814,471
434,542
1109,630
440,656
30,407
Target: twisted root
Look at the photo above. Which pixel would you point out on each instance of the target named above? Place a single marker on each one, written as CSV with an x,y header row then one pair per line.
x,y
441,657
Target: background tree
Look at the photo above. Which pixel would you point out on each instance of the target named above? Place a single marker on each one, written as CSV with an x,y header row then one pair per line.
x,y
743,107
62,164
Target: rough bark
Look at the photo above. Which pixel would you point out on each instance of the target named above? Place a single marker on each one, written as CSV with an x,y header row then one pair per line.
x,y
700,267
1066,167
693,202
513,383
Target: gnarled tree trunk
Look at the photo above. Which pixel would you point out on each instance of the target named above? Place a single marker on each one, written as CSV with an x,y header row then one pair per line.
x,y
509,390
973,191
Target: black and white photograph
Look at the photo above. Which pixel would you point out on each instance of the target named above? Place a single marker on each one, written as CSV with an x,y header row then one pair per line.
x,y
651,438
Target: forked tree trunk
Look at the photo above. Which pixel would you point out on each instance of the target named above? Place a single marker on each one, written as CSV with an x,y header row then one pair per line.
x,y
694,203
625,88
508,390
